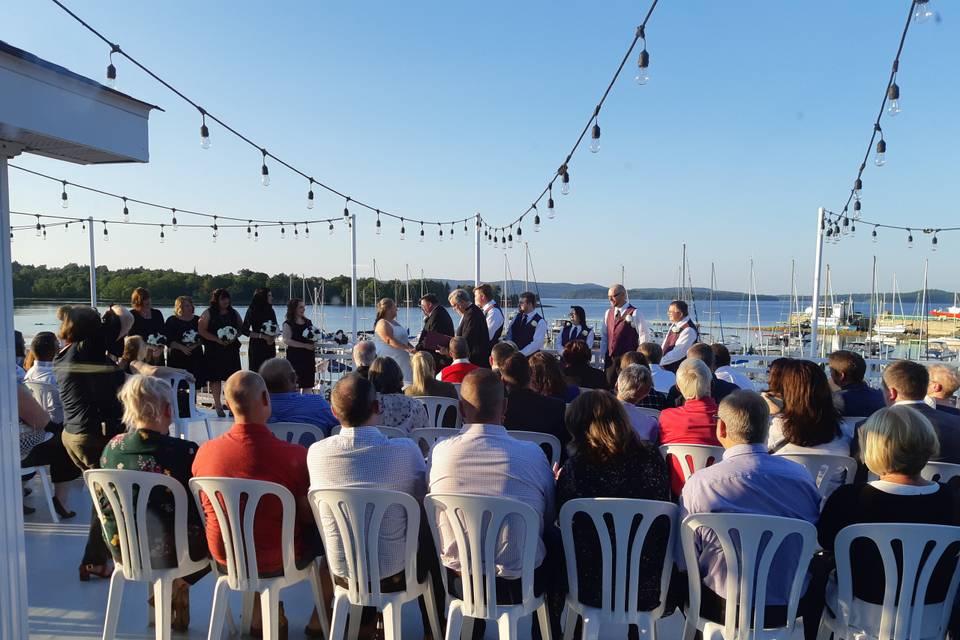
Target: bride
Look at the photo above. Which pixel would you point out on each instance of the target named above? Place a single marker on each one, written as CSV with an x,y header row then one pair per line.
x,y
391,337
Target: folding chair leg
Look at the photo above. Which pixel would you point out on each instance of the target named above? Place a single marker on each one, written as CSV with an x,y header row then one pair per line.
x,y
114,598
48,493
823,633
220,609
162,603
507,624
341,609
544,617
569,622
454,621
270,611
392,621
432,614
317,586
591,628
353,631
246,611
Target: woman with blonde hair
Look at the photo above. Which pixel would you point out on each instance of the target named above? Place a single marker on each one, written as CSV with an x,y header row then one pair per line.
x,y
425,381
184,346
148,324
391,337
147,446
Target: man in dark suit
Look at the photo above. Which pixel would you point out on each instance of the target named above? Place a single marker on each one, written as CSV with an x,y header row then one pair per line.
x,y
527,410
905,382
719,389
437,320
856,397
472,327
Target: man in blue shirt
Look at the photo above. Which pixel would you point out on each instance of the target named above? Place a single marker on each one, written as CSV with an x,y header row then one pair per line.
x,y
857,399
289,405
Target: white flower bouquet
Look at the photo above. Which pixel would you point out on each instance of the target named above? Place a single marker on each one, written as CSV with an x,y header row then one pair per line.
x,y
156,340
189,337
310,333
227,334
269,328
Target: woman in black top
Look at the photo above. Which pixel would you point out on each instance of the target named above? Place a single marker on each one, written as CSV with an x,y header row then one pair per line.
x,y
148,324
260,325
608,460
576,366
88,382
298,335
219,326
185,348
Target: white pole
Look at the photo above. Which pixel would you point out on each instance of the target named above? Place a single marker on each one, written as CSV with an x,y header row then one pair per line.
x,y
13,560
526,261
353,273
476,268
817,266
93,266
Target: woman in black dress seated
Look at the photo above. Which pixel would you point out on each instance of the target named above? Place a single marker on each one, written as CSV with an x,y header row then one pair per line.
x,y
576,366
184,346
298,335
260,325
148,324
219,326
608,460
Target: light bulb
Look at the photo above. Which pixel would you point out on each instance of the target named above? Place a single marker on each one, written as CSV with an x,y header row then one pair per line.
x,y
873,235
881,158
643,68
204,137
893,95
595,138
106,234
421,232
264,175
173,221
249,233
64,198
565,185
378,224
441,235
38,234
126,211
856,210
933,243
922,11
111,76
510,241
536,224
256,234
162,236
909,240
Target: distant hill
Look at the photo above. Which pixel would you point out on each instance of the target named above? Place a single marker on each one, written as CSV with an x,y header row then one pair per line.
x,y
591,291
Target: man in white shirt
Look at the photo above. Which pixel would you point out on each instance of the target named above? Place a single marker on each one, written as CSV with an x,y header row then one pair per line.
x,y
528,330
663,380
624,328
44,347
483,297
944,382
724,371
681,335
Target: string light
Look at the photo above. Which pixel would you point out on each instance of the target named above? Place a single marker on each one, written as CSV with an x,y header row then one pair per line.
x,y
216,229
106,234
441,234
421,232
264,171
45,236
173,219
922,11
643,61
249,231
595,135
346,211
378,222
256,233
510,239
873,234
857,189
162,235
38,227
310,195
126,210
306,229
296,234
933,241
564,179
204,131
64,199
881,157
893,95
536,223
856,210
283,232
909,239
112,70
403,230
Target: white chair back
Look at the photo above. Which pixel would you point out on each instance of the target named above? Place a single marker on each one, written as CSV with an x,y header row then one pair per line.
x,y
749,544
226,495
193,429
440,410
848,425
296,432
620,568
216,427
692,457
428,438
940,471
919,548
457,386
828,471
541,440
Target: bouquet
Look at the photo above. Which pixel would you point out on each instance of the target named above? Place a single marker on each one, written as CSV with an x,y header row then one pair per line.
x,y
189,337
156,340
269,328
227,334
310,334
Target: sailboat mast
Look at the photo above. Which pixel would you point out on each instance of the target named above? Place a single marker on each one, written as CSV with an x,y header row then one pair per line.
x,y
710,314
873,293
683,271
407,266
924,328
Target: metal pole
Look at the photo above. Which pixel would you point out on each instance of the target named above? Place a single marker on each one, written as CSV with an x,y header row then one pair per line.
x,y
13,560
476,268
817,266
526,265
924,326
353,274
93,265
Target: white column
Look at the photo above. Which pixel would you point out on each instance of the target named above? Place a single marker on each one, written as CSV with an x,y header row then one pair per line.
x,y
13,561
353,274
93,265
817,266
476,267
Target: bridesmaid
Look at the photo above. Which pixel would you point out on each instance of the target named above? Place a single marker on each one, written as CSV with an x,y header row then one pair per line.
x,y
184,346
148,324
260,325
300,351
222,354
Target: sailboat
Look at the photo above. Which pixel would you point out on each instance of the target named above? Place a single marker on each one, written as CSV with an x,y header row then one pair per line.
x,y
949,312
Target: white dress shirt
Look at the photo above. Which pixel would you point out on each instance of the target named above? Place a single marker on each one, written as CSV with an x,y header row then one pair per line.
x,y
363,457
663,380
734,376
494,316
639,322
684,341
539,334
484,460
43,372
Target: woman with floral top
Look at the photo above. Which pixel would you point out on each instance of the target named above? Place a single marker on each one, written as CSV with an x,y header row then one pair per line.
x,y
396,409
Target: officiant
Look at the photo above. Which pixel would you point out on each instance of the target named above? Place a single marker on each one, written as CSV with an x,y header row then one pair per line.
x,y
436,324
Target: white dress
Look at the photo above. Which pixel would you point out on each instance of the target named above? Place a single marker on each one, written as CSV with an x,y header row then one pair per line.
x,y
402,358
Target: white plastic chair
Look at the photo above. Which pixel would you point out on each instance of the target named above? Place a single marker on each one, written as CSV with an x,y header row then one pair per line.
x,y
216,427
940,471
848,425
540,439
193,429
133,522
921,547
236,529
457,386
296,432
828,471
47,487
438,408
428,438
475,523
692,457
749,567
358,514
620,566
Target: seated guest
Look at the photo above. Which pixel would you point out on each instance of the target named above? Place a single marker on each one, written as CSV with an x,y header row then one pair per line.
x,y
500,352
897,443
633,385
364,353
719,389
485,460
44,348
944,383
528,410
576,366
250,450
774,393
425,382
809,422
721,358
747,480
607,460
546,377
654,399
461,365
147,446
663,380
40,444
855,397
396,409
287,403
696,421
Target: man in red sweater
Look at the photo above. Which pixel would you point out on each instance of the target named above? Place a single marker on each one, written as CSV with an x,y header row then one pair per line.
x,y
461,366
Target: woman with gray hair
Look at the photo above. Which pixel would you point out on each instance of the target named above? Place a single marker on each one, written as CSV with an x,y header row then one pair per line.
x,y
472,327
633,385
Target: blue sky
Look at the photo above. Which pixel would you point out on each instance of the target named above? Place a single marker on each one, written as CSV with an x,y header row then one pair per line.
x,y
756,114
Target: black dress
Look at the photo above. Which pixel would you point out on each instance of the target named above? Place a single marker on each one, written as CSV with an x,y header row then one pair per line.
x,y
186,333
258,351
148,328
222,360
302,360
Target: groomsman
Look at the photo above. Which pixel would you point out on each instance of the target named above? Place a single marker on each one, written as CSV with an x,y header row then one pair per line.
x,y
528,330
472,326
681,335
484,298
624,328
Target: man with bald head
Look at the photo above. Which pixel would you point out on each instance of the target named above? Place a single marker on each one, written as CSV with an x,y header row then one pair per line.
x,y
288,404
623,329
